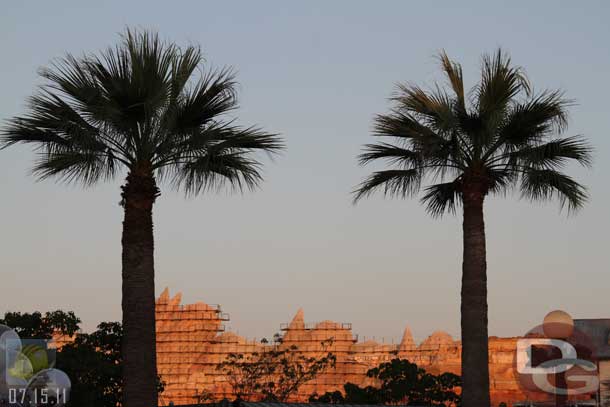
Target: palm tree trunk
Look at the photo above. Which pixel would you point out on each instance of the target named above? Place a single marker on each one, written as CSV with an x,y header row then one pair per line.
x,y
139,344
475,359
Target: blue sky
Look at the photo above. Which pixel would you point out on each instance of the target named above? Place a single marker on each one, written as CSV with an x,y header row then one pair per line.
x,y
316,72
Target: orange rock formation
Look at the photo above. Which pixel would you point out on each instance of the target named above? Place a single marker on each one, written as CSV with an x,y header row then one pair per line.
x,y
191,342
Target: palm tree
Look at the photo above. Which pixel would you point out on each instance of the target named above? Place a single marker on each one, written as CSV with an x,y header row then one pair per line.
x,y
148,108
494,138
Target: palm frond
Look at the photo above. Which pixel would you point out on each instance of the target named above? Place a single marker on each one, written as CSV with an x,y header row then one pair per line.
x,y
395,183
406,128
19,130
402,125
247,139
197,111
212,96
434,108
544,184
209,148
502,179
82,167
531,121
500,83
218,137
183,68
441,198
55,127
214,170
76,82
554,154
129,92
393,154
453,71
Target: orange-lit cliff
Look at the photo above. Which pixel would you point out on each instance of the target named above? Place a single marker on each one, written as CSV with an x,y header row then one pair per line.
x,y
191,342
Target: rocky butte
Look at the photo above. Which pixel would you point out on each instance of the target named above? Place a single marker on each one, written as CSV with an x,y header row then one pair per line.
x,y
191,342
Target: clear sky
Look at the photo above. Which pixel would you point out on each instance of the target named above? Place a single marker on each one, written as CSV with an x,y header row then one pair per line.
x,y
315,72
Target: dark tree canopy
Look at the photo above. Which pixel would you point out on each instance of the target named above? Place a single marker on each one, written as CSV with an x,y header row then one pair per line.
x,y
498,136
94,364
39,326
399,382
92,361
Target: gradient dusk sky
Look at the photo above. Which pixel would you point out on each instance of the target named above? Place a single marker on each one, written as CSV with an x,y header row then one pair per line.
x,y
316,72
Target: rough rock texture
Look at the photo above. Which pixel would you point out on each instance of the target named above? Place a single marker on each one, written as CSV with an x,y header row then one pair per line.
x,y
191,342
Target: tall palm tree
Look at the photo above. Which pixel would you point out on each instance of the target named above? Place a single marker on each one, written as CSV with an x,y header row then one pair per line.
x,y
146,108
494,138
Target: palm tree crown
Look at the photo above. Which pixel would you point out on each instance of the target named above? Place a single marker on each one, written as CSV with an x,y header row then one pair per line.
x,y
141,106
489,140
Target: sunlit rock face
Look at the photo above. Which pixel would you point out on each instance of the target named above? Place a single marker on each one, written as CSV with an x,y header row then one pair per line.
x,y
191,342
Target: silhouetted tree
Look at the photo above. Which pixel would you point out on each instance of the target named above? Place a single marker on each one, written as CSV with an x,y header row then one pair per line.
x,y
470,145
37,325
272,374
399,382
148,108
